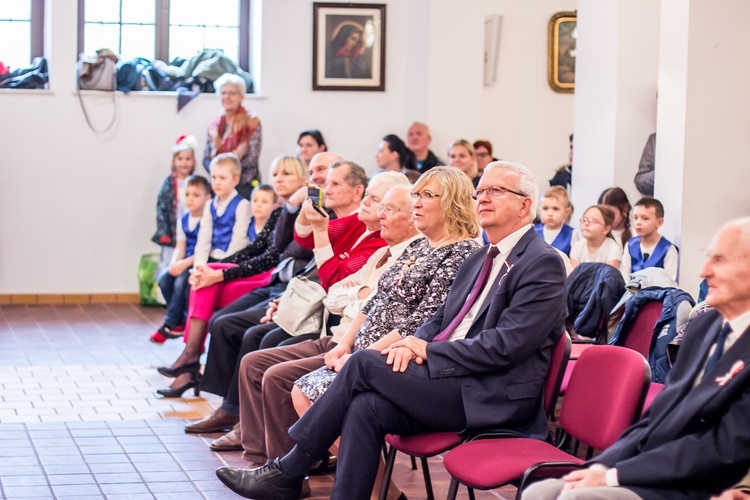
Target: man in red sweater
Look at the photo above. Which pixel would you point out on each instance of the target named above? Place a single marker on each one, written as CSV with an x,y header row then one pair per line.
x,y
341,246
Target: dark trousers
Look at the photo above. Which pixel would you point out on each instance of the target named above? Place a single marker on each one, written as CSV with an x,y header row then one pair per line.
x,y
366,401
235,332
175,291
227,328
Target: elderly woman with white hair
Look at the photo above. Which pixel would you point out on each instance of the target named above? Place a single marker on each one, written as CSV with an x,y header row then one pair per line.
x,y
235,131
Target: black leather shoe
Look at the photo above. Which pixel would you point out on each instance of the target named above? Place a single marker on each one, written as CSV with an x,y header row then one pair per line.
x,y
179,370
267,482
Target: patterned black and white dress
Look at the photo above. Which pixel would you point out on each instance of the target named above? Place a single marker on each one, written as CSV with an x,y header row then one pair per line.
x,y
409,293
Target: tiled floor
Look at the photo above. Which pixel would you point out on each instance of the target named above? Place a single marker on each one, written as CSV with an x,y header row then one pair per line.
x,y
79,419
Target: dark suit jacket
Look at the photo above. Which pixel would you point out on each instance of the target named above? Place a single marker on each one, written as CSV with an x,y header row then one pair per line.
x,y
430,161
505,357
693,442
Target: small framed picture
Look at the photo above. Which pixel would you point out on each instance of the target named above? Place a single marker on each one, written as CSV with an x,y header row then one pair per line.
x,y
348,46
561,60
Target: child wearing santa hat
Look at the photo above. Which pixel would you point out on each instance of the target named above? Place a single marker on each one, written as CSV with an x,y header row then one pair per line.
x,y
170,203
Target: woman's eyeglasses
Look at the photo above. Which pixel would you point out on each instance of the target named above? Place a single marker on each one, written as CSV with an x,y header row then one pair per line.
x,y
425,196
590,221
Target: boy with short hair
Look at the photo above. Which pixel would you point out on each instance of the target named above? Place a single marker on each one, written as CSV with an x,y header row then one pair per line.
x,y
555,212
226,218
174,282
648,248
262,202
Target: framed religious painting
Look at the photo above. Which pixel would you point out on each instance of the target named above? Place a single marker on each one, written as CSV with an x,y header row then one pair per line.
x,y
348,46
561,58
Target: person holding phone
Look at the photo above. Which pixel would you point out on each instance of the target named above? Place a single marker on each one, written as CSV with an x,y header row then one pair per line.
x,y
316,196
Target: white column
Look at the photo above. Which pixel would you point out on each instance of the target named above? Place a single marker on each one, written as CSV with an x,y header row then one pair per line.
x,y
702,139
60,42
616,81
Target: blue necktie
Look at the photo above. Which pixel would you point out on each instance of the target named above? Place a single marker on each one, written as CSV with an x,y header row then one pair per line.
x,y
719,350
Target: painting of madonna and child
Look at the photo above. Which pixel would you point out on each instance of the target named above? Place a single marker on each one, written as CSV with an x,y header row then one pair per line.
x,y
349,47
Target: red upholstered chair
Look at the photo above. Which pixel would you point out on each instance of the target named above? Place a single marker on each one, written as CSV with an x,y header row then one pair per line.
x,y
641,332
638,337
429,444
653,390
604,397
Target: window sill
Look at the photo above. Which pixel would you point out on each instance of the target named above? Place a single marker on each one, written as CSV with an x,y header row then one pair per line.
x,y
155,93
26,91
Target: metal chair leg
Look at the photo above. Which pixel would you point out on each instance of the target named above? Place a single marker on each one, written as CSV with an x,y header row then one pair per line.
x,y
413,463
387,473
452,489
427,479
471,494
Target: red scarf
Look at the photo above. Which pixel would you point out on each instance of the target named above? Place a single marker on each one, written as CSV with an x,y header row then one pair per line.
x,y
243,127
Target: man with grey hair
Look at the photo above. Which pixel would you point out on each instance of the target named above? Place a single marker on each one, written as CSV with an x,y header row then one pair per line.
x,y
418,140
479,363
694,440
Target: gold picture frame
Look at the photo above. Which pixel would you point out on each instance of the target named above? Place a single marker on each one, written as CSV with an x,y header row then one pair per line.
x,y
561,58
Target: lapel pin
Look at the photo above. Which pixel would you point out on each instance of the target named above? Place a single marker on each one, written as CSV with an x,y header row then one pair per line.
x,y
736,368
509,266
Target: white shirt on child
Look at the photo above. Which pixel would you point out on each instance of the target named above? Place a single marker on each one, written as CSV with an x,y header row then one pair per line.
x,y
550,234
204,247
610,250
670,261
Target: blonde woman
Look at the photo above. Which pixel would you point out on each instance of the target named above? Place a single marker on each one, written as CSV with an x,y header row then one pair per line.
x,y
463,157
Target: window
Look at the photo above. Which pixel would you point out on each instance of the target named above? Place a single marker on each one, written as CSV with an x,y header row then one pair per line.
x,y
21,32
165,29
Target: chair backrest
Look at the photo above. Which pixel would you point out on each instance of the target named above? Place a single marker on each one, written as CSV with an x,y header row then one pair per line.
x,y
641,332
605,394
557,366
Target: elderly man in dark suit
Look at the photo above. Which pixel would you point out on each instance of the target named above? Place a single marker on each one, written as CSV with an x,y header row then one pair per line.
x,y
695,440
480,362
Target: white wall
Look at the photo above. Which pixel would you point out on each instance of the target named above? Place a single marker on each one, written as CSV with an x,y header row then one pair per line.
x,y
615,105
77,208
717,124
522,116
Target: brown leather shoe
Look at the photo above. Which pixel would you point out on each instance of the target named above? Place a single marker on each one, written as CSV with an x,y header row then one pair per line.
x,y
231,441
218,421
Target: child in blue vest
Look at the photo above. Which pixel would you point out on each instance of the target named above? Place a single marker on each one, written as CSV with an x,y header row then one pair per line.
x,y
556,210
174,281
262,202
648,248
226,219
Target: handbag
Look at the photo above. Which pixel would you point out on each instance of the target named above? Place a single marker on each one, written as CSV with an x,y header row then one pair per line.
x,y
98,73
300,309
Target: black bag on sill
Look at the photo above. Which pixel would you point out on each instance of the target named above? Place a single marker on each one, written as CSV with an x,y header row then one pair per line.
x,y
35,76
155,79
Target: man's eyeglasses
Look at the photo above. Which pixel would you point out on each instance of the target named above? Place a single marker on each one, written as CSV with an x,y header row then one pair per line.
x,y
482,155
590,221
425,196
390,210
496,192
